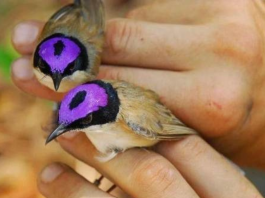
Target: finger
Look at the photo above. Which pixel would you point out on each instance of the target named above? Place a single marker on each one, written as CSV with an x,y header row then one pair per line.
x,y
196,160
194,96
151,45
138,172
124,38
25,35
176,12
158,81
24,78
58,180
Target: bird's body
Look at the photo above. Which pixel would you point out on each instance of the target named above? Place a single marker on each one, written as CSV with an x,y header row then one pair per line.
x,y
112,139
70,45
117,116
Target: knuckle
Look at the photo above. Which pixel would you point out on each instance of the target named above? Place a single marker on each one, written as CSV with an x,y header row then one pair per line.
x,y
153,173
132,14
192,145
240,42
117,74
120,35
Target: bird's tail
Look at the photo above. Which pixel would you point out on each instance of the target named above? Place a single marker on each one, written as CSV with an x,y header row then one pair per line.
x,y
93,12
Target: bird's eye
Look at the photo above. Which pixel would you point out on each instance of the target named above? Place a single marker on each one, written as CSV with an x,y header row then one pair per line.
x,y
87,120
41,64
44,68
71,66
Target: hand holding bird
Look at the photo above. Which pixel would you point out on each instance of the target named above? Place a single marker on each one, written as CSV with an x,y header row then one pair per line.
x,y
211,59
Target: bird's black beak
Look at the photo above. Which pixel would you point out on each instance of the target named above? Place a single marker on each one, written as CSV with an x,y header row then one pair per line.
x,y
57,132
57,78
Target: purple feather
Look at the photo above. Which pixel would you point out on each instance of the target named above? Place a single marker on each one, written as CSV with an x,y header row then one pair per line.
x,y
95,98
59,53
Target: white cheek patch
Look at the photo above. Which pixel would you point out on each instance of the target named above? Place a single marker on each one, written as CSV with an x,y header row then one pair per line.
x,y
44,79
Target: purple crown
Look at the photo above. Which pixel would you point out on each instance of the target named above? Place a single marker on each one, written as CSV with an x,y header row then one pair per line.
x,y
81,101
59,52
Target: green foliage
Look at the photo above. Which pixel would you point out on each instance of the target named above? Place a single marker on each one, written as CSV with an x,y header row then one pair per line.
x,y
7,55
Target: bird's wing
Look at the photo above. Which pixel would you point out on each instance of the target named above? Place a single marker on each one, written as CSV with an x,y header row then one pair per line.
x,y
82,16
146,116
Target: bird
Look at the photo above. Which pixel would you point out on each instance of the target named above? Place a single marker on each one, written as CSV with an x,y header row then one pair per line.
x,y
70,46
116,116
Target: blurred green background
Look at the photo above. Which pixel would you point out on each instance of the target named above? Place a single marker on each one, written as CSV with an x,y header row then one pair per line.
x,y
7,55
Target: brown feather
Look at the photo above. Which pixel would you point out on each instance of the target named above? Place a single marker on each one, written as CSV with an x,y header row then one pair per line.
x,y
143,113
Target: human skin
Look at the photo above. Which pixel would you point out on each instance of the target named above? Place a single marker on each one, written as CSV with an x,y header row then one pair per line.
x,y
207,66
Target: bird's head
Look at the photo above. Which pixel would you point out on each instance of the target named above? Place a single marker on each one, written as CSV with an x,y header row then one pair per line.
x,y
60,56
90,104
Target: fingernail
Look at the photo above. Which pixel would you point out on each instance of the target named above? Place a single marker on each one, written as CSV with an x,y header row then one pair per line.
x,y
69,135
25,33
22,69
51,172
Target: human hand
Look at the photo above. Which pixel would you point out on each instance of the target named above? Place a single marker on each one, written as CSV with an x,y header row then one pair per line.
x,y
185,168
207,68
